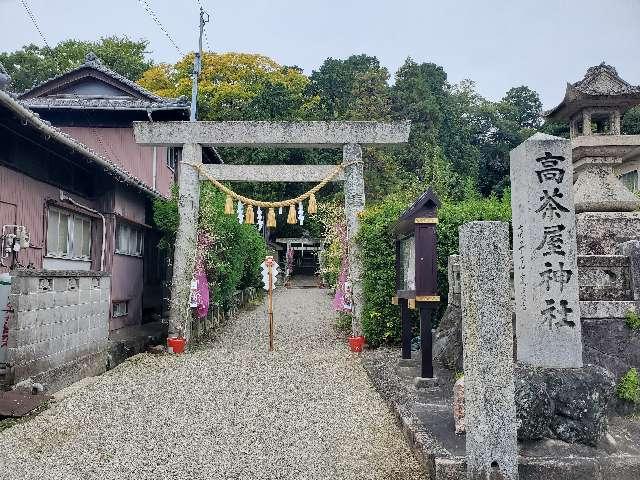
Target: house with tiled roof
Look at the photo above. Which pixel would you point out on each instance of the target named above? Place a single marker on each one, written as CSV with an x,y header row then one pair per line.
x,y
76,213
71,137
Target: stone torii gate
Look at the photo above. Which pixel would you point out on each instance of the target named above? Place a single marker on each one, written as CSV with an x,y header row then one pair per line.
x,y
350,136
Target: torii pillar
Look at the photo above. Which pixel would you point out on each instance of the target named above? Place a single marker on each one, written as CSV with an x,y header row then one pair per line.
x,y
350,136
353,206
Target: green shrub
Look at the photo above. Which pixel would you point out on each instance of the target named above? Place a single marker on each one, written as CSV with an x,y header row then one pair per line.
x,y
233,260
329,217
629,387
632,320
343,322
381,319
451,216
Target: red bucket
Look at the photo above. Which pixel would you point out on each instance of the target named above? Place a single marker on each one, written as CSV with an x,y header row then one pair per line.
x,y
176,345
356,343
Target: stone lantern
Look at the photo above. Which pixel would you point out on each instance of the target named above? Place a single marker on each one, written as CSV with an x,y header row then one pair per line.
x,y
605,206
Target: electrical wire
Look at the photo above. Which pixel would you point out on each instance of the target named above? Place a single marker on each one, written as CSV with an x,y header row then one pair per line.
x,y
154,17
34,21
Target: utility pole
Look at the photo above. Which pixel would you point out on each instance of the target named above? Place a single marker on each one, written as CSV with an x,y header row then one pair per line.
x,y
197,66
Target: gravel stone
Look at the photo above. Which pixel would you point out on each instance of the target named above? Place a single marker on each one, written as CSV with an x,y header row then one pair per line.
x,y
229,410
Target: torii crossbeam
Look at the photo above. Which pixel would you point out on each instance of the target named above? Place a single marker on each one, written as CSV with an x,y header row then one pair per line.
x,y
349,136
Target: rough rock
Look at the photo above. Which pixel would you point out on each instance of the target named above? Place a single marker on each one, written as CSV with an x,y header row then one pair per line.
x,y
534,408
447,345
566,404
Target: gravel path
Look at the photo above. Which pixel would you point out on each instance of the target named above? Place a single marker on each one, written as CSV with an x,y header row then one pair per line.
x,y
231,410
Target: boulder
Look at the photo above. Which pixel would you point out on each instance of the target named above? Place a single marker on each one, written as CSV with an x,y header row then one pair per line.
x,y
534,407
447,345
566,404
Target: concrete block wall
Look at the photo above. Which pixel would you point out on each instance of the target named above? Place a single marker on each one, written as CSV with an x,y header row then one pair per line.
x,y
59,328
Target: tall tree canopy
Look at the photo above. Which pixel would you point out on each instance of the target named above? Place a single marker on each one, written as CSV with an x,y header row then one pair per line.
x,y
459,141
33,64
236,86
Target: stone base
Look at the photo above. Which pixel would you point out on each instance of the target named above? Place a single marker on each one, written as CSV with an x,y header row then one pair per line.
x,y
568,404
423,383
408,362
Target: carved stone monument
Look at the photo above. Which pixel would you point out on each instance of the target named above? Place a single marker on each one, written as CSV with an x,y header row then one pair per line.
x,y
544,253
490,412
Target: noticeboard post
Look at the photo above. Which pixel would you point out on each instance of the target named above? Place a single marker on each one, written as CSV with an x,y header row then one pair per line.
x,y
416,273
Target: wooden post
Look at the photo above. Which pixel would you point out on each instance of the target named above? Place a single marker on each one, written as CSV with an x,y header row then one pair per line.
x,y
406,328
186,239
426,341
270,266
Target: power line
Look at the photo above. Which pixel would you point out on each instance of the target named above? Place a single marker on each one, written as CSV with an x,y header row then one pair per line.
x,y
152,14
34,21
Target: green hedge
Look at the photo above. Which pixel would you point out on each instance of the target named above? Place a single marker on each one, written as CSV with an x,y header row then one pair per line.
x,y
381,319
234,258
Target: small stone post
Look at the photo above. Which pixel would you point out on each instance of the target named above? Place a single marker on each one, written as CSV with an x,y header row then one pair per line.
x,y
184,256
545,253
353,205
487,334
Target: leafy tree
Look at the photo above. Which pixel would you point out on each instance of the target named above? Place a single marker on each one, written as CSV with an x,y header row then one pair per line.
x,y
631,122
235,86
557,129
355,88
522,107
442,149
512,120
33,64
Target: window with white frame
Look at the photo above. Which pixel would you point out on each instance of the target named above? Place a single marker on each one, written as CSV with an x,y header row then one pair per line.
x,y
119,309
174,155
68,235
129,239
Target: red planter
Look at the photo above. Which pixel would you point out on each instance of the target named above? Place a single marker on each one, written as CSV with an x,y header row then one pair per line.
x,y
176,345
356,343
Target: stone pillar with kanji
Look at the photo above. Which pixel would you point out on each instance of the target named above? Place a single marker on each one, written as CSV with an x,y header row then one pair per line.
x,y
544,254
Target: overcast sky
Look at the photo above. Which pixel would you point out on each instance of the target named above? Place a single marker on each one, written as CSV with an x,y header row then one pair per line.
x,y
496,43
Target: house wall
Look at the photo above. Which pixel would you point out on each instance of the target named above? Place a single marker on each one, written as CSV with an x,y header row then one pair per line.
x,y
119,145
127,269
23,201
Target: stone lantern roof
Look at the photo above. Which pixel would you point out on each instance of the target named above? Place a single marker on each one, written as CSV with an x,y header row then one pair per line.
x,y
600,87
